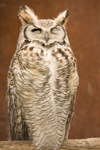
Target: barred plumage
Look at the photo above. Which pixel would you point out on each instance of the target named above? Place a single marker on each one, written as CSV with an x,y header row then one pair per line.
x,y
42,82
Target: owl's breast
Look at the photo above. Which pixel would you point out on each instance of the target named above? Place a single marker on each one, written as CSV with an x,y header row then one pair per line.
x,y
47,74
45,89
53,66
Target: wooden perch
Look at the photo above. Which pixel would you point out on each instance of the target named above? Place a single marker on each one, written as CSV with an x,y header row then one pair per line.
x,y
72,144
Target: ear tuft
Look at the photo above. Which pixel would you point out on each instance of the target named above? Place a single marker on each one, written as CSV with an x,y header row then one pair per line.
x,y
26,14
67,13
62,18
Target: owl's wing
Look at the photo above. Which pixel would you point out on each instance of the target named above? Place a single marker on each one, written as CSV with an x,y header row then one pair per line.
x,y
67,126
73,84
17,126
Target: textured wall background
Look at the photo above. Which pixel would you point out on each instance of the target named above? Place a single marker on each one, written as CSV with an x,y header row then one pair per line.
x,y
84,35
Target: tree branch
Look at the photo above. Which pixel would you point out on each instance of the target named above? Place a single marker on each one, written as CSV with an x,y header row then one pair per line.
x,y
72,144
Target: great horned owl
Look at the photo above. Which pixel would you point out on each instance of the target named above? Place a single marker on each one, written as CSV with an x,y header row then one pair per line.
x,y
42,82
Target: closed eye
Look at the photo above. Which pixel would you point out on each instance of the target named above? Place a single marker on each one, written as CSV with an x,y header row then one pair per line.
x,y
54,30
36,30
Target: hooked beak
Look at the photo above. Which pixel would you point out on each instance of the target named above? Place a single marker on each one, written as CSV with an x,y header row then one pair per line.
x,y
46,36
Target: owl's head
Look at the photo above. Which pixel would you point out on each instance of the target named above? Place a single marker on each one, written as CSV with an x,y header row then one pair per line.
x,y
43,30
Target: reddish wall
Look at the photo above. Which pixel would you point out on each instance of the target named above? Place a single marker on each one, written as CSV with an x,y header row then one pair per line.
x,y
84,34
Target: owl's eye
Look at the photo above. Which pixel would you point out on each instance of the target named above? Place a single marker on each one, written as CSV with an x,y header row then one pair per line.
x,y
38,30
54,30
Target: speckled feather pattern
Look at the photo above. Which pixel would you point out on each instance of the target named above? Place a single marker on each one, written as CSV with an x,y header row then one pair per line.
x,y
41,87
